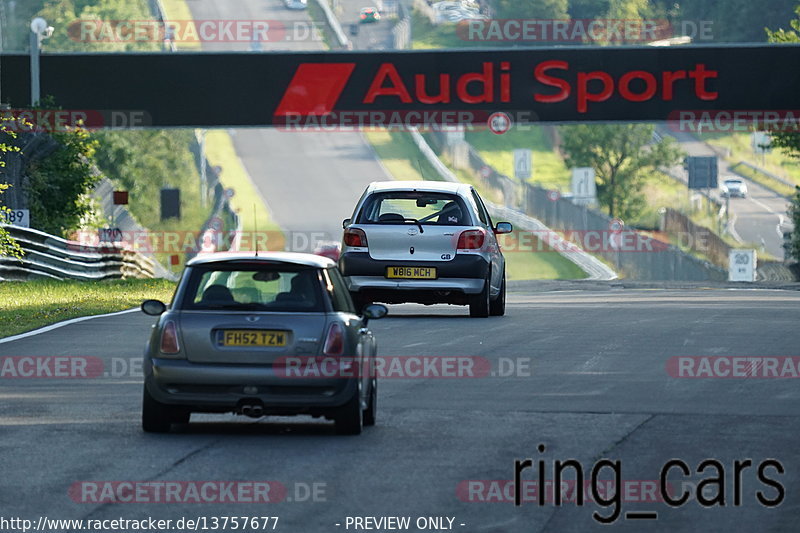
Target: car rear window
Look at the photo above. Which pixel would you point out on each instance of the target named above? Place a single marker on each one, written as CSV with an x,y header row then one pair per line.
x,y
410,207
280,288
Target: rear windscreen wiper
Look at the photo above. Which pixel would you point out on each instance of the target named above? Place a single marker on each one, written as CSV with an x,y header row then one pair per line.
x,y
415,221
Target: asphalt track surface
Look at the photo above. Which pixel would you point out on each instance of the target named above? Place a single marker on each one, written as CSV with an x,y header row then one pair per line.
x,y
593,384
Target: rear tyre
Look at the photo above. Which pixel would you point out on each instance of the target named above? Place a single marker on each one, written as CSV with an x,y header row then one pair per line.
x,y
349,418
479,303
156,417
371,412
497,307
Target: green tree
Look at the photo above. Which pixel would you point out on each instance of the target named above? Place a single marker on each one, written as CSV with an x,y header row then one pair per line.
x,y
8,246
166,162
77,29
622,156
736,20
588,9
534,9
60,184
794,213
788,141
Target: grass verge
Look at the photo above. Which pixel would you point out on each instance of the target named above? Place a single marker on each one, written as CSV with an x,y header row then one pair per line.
x,y
179,10
25,306
247,200
316,14
400,156
549,170
763,179
446,35
536,261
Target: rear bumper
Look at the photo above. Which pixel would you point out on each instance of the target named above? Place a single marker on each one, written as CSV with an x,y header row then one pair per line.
x,y
456,279
221,388
464,285
464,271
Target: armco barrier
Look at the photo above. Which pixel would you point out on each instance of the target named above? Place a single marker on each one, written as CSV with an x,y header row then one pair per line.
x,y
333,22
53,257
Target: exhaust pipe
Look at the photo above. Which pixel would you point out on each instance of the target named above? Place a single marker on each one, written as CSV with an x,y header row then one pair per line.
x,y
253,411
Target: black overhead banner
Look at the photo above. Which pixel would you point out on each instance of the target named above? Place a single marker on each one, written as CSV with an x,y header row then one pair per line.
x,y
574,84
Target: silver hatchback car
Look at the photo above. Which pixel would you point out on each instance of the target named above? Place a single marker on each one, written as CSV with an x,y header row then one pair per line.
x,y
424,242
241,333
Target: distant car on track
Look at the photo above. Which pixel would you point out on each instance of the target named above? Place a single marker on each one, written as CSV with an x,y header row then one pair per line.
x,y
223,344
329,249
296,4
369,14
734,187
424,242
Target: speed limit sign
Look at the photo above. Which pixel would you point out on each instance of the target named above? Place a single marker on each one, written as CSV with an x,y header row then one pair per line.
x,y
499,123
16,217
742,265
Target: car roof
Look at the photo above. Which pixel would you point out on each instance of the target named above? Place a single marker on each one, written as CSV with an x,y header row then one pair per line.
x,y
424,186
294,258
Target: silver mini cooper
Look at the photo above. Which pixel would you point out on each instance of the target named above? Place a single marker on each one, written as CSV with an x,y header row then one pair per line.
x,y
241,334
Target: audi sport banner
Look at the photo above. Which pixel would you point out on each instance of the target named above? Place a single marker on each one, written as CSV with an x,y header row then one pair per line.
x,y
362,89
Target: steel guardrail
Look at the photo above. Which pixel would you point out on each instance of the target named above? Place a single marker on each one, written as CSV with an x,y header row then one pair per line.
x,y
49,256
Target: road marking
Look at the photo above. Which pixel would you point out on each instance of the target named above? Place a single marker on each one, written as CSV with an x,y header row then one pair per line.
x,y
732,228
779,227
61,324
768,208
765,206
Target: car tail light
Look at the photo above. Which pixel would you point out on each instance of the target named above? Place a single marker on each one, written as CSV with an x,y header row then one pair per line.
x,y
471,240
334,342
355,237
169,339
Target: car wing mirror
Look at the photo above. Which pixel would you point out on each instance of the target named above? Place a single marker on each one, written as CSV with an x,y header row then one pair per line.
x,y
503,227
373,311
153,307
